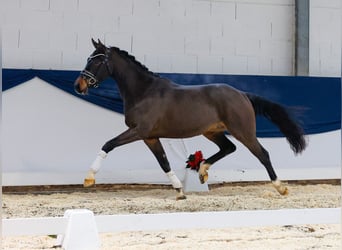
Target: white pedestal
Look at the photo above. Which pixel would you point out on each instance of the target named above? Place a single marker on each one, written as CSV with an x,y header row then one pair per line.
x,y
192,182
81,232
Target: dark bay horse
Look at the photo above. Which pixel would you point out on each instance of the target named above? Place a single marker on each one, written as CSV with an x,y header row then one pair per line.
x,y
156,107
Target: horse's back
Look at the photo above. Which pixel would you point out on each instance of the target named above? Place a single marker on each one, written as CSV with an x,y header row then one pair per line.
x,y
234,109
226,98
214,100
177,111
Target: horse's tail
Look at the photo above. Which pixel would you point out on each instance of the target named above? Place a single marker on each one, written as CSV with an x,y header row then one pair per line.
x,y
281,117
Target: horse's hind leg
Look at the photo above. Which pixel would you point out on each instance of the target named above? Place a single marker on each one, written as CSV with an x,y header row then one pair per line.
x,y
257,149
157,149
226,147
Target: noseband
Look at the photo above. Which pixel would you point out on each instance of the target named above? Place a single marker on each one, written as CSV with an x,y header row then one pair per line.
x,y
92,82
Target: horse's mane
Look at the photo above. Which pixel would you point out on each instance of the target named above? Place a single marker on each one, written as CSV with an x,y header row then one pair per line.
x,y
132,59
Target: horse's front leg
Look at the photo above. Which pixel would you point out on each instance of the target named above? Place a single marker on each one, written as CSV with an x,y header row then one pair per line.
x,y
157,149
128,136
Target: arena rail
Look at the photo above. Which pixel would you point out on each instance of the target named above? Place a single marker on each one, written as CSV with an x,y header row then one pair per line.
x,y
170,221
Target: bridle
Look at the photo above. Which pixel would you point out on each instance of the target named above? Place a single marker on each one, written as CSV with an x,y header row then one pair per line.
x,y
92,82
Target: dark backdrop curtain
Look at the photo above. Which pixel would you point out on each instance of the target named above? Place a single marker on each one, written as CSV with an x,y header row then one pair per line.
x,y
320,97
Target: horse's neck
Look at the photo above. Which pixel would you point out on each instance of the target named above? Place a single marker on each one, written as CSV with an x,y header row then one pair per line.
x,y
132,80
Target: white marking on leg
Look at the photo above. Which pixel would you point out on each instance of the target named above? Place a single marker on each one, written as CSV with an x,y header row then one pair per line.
x,y
96,165
277,183
89,181
90,175
176,183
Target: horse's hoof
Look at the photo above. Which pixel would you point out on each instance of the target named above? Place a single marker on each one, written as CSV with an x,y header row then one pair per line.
x,y
280,187
203,172
285,191
181,197
203,178
88,183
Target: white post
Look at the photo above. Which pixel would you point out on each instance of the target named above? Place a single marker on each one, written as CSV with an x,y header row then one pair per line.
x,y
192,182
81,232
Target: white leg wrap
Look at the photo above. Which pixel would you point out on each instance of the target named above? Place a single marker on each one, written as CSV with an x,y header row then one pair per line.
x,y
96,165
90,175
174,179
277,183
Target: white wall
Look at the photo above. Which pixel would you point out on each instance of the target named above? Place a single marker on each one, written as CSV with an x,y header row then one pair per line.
x,y
192,36
325,38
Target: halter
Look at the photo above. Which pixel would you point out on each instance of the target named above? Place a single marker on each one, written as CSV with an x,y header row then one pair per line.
x,y
90,77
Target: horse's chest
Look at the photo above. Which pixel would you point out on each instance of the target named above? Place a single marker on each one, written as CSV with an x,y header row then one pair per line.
x,y
142,114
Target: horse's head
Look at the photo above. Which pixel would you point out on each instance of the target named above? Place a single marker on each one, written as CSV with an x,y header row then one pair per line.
x,y
96,69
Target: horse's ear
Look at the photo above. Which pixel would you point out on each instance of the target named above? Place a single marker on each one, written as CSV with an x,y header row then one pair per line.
x,y
96,45
100,43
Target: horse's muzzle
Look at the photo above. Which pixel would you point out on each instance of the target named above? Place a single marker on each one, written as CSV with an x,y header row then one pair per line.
x,y
81,86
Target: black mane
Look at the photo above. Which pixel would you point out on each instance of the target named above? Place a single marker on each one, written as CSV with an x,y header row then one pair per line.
x,y
132,59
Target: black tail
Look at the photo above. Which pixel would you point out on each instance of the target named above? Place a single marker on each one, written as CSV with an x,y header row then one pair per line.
x,y
280,116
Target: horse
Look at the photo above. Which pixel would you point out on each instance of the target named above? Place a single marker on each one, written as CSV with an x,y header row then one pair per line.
x,y
156,107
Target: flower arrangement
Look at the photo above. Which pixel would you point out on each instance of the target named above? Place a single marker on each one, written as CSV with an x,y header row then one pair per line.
x,y
194,160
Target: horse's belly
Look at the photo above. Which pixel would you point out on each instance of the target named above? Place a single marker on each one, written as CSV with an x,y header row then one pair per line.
x,y
185,129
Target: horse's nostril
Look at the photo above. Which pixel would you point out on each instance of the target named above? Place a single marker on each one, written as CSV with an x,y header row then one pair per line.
x,y
77,88
80,86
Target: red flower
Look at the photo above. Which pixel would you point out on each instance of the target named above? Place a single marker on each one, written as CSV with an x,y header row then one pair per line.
x,y
195,160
